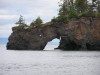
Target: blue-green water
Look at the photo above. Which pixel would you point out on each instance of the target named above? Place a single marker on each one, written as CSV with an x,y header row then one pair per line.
x,y
3,40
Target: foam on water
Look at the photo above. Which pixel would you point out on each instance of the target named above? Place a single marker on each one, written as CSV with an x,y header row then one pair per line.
x,y
54,62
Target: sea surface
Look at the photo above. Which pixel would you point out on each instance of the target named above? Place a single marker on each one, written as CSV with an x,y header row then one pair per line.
x,y
3,40
49,62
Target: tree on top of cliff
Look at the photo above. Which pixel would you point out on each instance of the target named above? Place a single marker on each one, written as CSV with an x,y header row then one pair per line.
x,y
77,8
81,5
98,5
67,10
21,21
38,21
65,7
95,5
71,8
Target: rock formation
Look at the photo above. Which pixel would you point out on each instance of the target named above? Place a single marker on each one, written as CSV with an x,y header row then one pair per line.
x,y
32,38
82,34
77,34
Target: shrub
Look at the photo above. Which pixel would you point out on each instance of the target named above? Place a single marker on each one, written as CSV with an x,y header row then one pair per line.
x,y
72,13
38,21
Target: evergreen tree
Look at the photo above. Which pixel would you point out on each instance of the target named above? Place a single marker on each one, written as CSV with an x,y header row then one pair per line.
x,y
81,5
21,21
98,5
67,11
38,21
76,8
65,7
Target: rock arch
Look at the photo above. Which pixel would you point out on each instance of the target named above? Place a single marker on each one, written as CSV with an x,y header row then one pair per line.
x,y
33,38
79,34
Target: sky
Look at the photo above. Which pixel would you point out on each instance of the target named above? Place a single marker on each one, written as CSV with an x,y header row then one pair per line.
x,y
10,10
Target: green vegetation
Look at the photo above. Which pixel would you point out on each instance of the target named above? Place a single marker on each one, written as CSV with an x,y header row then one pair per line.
x,y
59,19
21,21
72,13
81,5
69,9
77,8
38,21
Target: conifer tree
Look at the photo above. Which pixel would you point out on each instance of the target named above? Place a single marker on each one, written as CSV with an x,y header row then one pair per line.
x,y
21,21
38,21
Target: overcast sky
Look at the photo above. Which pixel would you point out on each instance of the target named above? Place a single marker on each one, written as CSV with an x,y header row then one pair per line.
x,y
10,10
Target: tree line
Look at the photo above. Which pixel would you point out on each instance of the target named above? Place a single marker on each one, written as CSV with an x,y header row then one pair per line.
x,y
70,9
77,8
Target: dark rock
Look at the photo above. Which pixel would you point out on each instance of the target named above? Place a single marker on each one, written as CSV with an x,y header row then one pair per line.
x,y
33,38
81,34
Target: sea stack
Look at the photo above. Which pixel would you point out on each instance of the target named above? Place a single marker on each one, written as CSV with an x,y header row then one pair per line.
x,y
77,34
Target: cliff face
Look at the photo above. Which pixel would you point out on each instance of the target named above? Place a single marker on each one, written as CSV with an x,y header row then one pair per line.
x,y
33,38
82,34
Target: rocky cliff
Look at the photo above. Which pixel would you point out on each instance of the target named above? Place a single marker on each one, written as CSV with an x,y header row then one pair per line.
x,y
31,38
77,34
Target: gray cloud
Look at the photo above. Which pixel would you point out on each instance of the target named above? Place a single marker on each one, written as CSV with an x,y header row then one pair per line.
x,y
30,9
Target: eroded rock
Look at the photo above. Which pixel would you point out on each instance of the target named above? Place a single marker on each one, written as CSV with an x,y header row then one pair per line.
x,y
33,38
82,34
78,34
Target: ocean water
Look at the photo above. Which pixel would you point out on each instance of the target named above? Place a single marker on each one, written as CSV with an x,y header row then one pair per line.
x,y
49,62
3,40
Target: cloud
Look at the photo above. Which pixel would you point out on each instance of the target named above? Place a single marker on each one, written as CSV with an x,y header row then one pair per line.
x,y
29,8
4,17
3,11
10,10
15,1
7,16
44,13
6,30
29,1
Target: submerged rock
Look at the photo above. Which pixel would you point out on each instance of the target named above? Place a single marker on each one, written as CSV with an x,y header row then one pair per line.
x,y
81,34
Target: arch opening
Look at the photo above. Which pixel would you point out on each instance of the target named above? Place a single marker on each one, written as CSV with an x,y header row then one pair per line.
x,y
52,44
